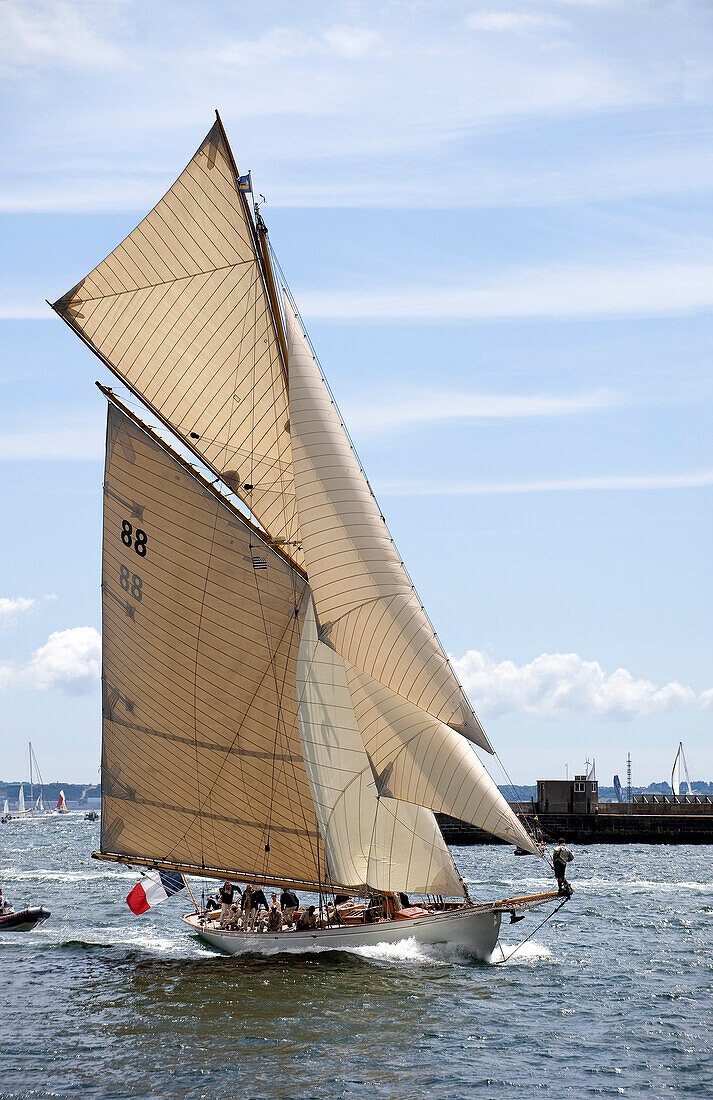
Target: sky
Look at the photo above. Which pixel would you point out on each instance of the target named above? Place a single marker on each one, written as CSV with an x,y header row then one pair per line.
x,y
496,222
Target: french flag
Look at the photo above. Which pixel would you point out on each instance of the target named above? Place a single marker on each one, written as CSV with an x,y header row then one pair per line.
x,y
154,888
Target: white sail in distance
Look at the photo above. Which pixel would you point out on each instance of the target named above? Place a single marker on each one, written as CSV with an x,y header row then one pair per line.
x,y
676,772
179,312
366,605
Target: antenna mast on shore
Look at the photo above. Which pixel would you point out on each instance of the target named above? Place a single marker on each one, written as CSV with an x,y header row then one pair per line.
x,y
628,777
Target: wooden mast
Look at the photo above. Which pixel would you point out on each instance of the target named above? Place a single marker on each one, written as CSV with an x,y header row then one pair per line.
x,y
262,251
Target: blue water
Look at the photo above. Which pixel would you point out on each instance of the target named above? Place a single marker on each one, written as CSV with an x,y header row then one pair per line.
x,y
611,998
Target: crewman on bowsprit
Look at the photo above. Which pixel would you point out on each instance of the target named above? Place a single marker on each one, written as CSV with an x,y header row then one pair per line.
x,y
561,856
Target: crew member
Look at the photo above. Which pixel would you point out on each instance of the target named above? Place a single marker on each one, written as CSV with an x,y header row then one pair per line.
x,y
274,916
561,856
213,902
288,903
226,895
307,919
253,899
249,914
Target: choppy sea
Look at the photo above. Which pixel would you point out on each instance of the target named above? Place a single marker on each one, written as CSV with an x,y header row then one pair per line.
x,y
613,997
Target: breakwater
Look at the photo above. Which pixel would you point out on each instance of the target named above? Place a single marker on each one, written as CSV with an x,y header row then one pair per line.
x,y
608,823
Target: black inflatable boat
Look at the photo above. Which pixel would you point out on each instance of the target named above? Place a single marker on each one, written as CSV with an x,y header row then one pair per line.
x,y
24,920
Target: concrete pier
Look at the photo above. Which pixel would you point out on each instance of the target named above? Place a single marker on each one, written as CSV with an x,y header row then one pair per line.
x,y
571,808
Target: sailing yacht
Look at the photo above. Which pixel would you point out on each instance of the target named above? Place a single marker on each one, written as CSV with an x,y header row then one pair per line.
x,y
37,809
277,707
679,762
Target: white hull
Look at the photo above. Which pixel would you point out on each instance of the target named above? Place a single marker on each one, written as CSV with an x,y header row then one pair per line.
x,y
476,931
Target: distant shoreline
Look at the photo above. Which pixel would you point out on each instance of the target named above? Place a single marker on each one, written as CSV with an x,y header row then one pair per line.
x,y
90,793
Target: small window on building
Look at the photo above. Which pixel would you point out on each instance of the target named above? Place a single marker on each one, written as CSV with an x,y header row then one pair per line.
x,y
579,788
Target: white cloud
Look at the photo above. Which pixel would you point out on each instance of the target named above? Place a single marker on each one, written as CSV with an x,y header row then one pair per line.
x,y
511,21
61,33
352,42
24,311
370,178
557,685
621,290
361,113
696,479
437,407
69,660
14,608
341,40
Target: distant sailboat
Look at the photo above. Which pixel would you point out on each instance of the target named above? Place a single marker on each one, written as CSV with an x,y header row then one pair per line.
x,y
62,804
678,763
277,707
37,809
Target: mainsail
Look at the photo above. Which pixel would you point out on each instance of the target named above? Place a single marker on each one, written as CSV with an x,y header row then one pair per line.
x,y
368,609
179,311
201,762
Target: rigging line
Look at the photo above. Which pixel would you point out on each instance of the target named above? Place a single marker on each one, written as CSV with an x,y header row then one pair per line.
x,y
290,519
291,528
542,854
506,958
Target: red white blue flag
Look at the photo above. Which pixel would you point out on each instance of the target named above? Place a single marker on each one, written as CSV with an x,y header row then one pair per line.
x,y
155,887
